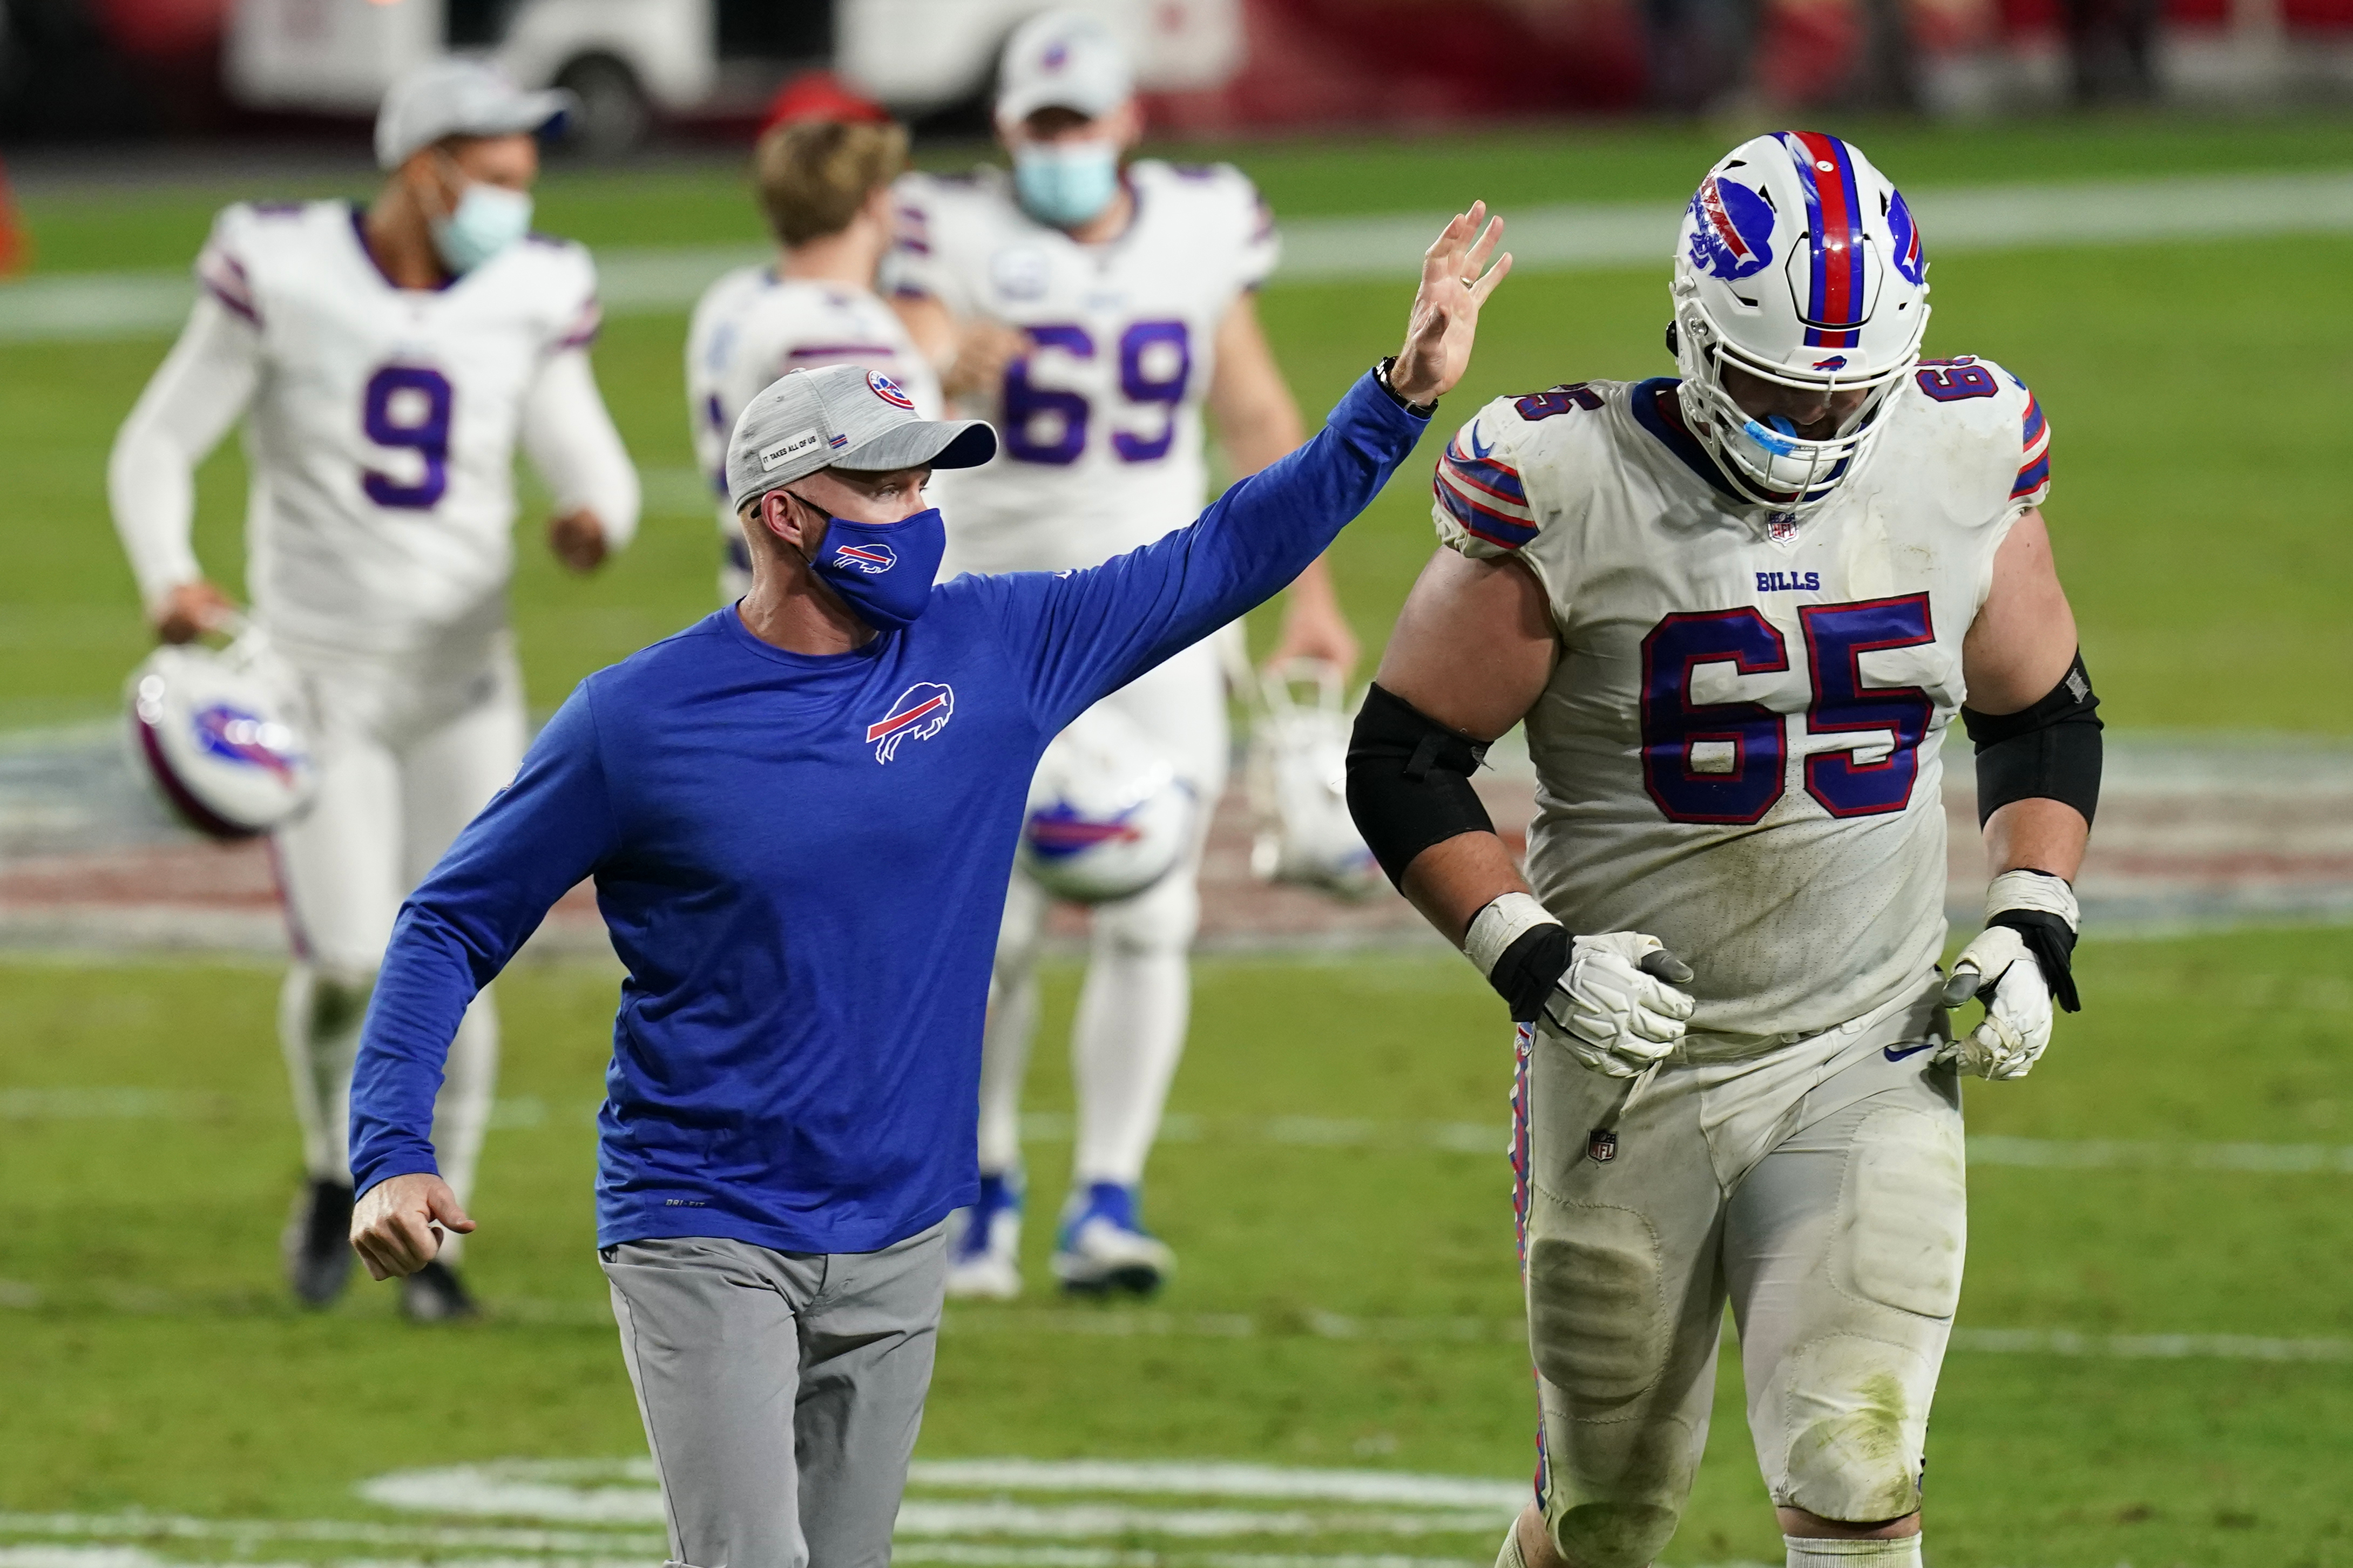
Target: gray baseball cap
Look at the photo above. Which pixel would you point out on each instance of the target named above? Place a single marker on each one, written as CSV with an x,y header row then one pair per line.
x,y
454,97
1062,59
841,416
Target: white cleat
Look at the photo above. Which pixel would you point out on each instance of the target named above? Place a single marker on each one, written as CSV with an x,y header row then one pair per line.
x,y
1103,1249
984,1244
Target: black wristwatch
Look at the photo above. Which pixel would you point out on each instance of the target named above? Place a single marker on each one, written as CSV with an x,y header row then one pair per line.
x,y
1381,374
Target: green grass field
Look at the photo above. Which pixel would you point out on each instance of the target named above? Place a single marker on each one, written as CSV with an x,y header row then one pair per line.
x,y
152,1364
1343,1303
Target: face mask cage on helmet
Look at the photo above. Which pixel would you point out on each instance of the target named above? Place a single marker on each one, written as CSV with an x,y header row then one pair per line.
x,y
1769,465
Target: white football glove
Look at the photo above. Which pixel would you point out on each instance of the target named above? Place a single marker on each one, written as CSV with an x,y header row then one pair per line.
x,y
1613,1007
1610,1000
2004,968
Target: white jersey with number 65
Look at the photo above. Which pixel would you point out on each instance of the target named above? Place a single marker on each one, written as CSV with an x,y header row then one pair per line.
x,y
1738,752
1101,426
381,427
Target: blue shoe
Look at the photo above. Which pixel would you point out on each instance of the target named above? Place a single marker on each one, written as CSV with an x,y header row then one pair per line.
x,y
1101,1248
985,1242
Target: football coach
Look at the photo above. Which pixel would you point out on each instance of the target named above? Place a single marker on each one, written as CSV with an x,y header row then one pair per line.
x,y
801,814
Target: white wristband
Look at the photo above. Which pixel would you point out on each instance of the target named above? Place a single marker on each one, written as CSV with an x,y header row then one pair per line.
x,y
2031,890
1500,924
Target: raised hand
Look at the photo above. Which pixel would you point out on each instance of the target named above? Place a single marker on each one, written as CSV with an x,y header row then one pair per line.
x,y
1455,282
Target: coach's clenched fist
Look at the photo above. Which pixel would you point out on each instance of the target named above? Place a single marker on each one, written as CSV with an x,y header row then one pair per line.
x,y
396,1227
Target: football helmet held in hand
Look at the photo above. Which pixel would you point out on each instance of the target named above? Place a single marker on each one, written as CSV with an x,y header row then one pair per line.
x,y
224,734
1108,816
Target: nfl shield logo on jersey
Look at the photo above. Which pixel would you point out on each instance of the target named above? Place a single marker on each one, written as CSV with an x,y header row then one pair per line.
x,y
1781,527
1602,1145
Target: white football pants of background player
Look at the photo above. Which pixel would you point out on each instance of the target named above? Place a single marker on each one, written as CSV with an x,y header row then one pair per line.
x,y
410,747
1136,1001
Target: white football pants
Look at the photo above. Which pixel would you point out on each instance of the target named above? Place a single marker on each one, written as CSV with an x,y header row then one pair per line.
x,y
409,749
1819,1189
1138,995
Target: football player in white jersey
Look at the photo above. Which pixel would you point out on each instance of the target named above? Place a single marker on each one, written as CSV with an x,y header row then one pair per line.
x,y
823,181
384,361
1135,285
1736,613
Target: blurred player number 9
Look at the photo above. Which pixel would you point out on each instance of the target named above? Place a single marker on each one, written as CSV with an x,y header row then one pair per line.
x,y
407,407
1740,774
1048,425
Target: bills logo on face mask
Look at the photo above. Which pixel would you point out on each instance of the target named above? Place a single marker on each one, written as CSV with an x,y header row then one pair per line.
x,y
870,558
883,571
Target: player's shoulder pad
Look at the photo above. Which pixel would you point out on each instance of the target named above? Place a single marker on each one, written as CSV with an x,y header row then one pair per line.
x,y
246,236
1481,498
1979,400
1218,189
935,215
1494,476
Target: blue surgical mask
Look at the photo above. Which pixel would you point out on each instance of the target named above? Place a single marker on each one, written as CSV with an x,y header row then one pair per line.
x,y
488,218
883,571
1064,183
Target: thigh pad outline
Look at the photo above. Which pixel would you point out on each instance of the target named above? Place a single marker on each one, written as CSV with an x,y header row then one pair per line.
x,y
1902,1216
1598,1324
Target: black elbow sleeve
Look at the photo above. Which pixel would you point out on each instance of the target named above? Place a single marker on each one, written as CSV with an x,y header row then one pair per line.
x,y
1410,782
2047,752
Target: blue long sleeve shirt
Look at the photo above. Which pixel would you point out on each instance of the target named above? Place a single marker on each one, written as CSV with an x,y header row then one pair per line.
x,y
802,861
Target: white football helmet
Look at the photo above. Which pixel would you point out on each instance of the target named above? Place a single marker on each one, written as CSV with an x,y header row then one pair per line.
x,y
1108,816
224,734
1797,263
1297,773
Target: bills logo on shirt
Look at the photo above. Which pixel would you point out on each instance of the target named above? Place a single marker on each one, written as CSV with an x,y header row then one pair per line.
x,y
921,712
871,559
883,387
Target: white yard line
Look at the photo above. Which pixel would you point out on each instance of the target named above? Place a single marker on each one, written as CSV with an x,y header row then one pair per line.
x,y
1473,1137
1559,237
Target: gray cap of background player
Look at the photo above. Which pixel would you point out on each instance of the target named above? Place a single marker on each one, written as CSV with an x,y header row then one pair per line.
x,y
1062,59
458,97
841,416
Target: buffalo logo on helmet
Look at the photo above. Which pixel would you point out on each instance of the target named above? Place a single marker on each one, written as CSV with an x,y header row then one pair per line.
x,y
1836,362
1732,230
921,712
871,559
883,387
236,735
1909,262
1061,829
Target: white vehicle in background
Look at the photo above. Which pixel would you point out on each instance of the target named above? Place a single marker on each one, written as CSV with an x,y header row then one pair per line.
x,y
918,55
631,61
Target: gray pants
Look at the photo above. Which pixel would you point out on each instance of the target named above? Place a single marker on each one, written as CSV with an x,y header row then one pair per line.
x,y
781,1392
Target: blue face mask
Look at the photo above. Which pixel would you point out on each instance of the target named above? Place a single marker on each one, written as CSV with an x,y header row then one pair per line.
x,y
883,571
488,218
1064,183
